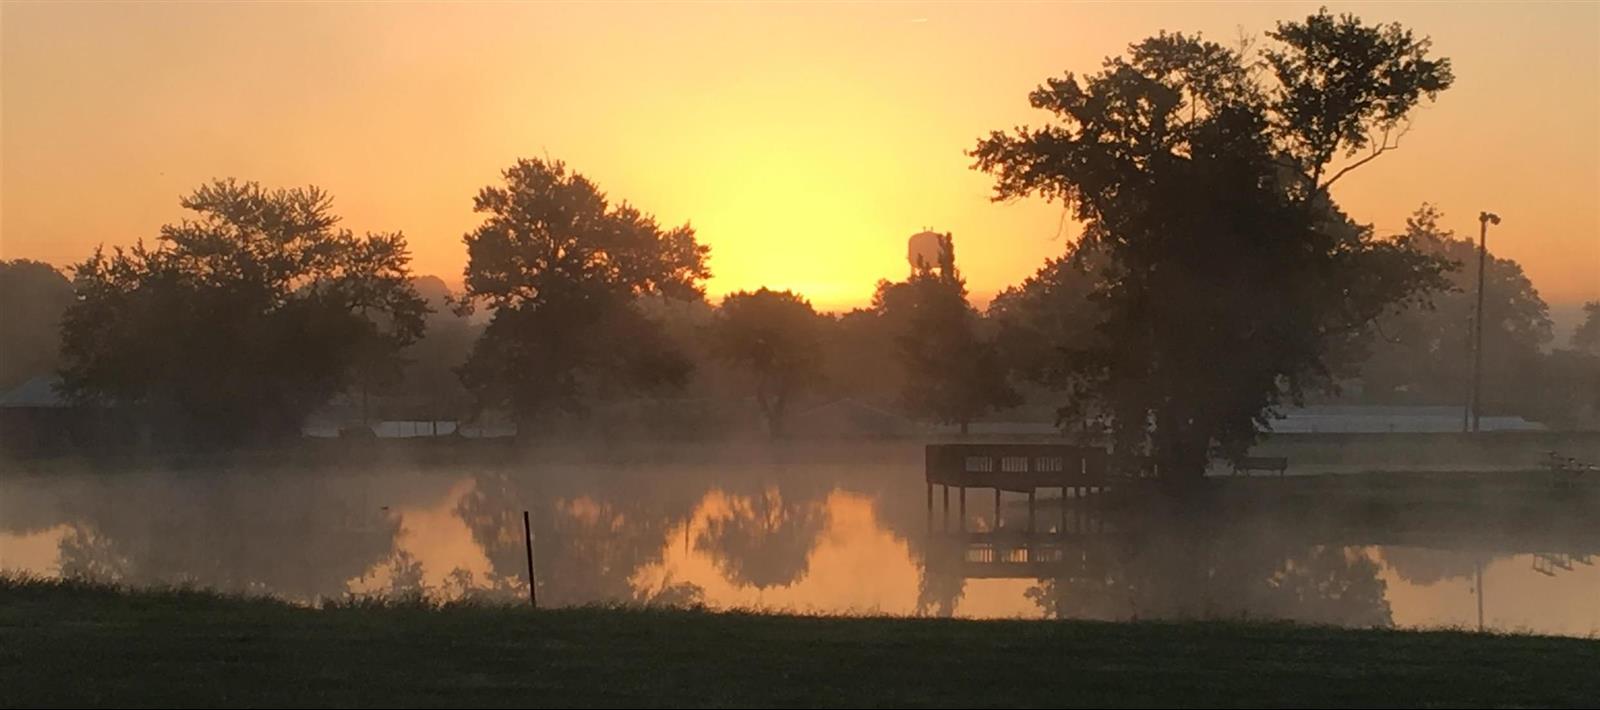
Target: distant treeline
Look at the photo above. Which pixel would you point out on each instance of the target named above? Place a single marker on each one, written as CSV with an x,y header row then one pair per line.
x,y
1216,281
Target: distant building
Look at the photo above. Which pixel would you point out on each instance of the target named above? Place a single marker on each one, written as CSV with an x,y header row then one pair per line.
x,y
35,418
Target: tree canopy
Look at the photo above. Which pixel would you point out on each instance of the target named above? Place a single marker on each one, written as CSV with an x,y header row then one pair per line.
x,y
242,319
1587,335
1232,282
33,296
1423,353
775,335
561,268
952,371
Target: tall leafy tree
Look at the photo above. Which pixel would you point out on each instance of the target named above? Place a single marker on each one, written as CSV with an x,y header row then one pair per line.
x,y
429,387
775,336
1570,377
1232,282
33,296
1424,353
1587,335
953,373
562,268
1045,316
241,320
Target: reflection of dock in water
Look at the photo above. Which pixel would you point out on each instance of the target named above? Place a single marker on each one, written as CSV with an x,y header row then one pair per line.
x,y
1495,515
1549,564
1012,555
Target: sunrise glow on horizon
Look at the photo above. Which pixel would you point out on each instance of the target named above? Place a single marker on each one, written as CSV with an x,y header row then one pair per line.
x,y
804,143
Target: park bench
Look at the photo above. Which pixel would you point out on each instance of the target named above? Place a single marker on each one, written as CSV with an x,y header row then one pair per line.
x,y
1265,464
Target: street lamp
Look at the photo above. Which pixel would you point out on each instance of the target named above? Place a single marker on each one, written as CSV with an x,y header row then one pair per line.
x,y
1484,219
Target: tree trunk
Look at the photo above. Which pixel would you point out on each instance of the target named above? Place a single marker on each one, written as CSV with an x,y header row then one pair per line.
x,y
1180,450
772,413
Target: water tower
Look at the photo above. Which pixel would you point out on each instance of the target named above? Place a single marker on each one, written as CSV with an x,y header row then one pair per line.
x,y
925,250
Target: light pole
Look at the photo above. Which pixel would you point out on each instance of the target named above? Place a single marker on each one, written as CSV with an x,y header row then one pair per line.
x,y
1484,218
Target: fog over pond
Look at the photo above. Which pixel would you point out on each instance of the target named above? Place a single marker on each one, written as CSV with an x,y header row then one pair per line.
x,y
780,532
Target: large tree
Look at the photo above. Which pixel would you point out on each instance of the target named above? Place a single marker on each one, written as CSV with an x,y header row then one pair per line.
x,y
1046,315
562,270
1232,282
952,369
775,336
428,387
1423,354
1587,335
1570,377
33,295
241,320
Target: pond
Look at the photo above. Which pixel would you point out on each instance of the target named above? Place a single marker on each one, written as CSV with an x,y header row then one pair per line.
x,y
829,538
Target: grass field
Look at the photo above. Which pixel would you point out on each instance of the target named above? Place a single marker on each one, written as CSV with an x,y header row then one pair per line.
x,y
73,644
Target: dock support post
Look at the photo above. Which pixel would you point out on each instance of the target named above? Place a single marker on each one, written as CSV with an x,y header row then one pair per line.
x,y
1031,492
945,524
1062,529
997,509
930,506
963,492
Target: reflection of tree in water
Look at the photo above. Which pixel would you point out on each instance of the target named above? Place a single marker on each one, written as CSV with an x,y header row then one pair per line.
x,y
87,555
1229,574
1424,566
235,533
765,539
589,539
940,586
405,576
668,593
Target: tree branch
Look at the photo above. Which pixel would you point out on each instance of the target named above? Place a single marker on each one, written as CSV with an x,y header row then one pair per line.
x,y
1383,146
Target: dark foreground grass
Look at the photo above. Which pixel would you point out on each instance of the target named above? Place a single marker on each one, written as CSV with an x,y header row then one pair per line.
x,y
73,644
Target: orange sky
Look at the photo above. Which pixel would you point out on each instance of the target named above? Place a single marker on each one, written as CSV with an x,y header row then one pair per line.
x,y
804,142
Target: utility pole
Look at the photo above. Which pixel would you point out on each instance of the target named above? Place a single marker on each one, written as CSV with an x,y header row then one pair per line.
x,y
1476,402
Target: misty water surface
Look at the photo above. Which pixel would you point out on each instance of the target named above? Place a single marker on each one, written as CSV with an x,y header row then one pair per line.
x,y
770,535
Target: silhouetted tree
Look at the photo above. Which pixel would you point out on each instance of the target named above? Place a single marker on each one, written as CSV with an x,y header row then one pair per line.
x,y
774,335
429,386
953,373
1232,282
860,359
33,295
1047,314
242,320
1573,375
1587,336
1424,353
561,269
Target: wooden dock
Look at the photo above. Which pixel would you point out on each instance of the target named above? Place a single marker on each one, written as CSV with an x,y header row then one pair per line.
x,y
1081,474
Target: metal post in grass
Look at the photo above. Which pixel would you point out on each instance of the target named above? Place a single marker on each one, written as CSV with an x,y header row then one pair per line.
x,y
527,539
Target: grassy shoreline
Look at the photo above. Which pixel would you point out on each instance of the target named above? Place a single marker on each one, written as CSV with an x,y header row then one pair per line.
x,y
69,643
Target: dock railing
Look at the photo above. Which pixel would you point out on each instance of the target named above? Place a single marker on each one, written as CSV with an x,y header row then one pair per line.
x,y
1081,473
